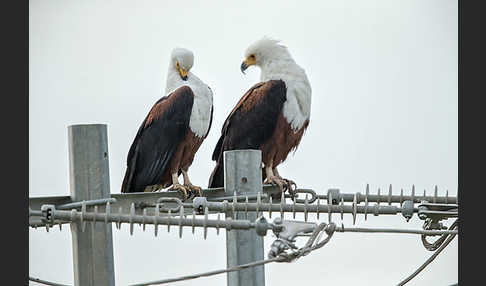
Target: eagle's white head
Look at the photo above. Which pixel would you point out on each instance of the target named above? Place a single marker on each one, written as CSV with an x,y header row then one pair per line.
x,y
182,60
265,51
276,63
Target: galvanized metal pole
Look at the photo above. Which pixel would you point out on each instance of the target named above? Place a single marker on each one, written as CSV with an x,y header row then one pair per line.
x,y
243,175
89,179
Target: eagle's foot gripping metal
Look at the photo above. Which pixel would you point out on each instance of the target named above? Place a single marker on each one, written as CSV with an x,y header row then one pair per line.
x,y
291,188
195,191
283,184
186,192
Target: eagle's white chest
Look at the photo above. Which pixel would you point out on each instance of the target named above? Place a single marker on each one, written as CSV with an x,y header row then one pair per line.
x,y
201,112
297,107
202,105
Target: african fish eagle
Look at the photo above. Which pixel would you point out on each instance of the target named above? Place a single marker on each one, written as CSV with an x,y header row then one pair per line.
x,y
271,116
172,132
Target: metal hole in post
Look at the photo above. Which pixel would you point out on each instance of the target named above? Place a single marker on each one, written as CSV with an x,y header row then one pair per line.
x,y
105,154
244,180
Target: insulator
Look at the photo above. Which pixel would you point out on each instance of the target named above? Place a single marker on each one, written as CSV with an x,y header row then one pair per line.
x,y
130,218
181,216
342,210
329,211
193,219
355,209
293,208
270,209
206,211
318,205
157,214
144,214
366,202
306,203
378,198
435,194
282,203
390,195
413,194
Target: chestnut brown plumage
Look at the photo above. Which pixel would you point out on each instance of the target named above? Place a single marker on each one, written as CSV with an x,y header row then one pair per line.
x,y
257,122
164,144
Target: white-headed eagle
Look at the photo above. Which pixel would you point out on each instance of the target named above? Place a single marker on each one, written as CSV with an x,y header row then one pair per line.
x,y
172,132
272,116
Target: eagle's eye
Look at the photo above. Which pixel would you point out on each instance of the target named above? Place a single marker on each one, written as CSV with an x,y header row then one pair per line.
x,y
252,56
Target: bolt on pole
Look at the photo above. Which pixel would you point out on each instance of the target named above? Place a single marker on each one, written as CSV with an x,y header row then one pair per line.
x,y
243,175
89,180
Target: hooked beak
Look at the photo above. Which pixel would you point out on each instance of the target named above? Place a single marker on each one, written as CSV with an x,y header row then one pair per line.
x,y
243,67
183,73
246,63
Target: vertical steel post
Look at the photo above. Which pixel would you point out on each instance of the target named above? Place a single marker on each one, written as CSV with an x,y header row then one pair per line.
x,y
243,175
89,179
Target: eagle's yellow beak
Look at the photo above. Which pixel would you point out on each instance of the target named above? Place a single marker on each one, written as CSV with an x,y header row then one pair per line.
x,y
182,72
249,61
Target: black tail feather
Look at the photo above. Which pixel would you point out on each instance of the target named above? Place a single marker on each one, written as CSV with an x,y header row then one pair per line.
x,y
217,176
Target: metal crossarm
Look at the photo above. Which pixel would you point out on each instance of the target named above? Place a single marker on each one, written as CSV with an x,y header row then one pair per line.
x,y
91,210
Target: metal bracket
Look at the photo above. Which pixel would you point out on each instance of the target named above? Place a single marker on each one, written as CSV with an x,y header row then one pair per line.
x,y
286,231
437,212
289,229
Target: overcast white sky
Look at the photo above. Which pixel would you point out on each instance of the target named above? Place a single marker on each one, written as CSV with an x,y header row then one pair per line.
x,y
384,110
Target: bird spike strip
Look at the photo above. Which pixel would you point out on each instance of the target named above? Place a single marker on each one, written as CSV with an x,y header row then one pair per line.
x,y
49,214
378,198
335,204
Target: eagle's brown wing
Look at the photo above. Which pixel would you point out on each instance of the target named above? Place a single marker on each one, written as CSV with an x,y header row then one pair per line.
x,y
157,139
250,123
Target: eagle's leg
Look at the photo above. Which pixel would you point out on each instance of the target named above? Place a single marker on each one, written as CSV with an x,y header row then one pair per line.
x,y
291,185
176,186
274,180
189,185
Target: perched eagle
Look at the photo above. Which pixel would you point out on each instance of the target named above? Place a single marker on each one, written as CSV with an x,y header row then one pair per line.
x,y
272,116
172,132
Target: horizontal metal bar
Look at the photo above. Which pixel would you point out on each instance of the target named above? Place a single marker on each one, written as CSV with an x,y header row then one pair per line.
x,y
392,230
87,203
385,230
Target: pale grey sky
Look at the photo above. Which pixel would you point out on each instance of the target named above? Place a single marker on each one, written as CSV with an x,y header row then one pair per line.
x,y
384,110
